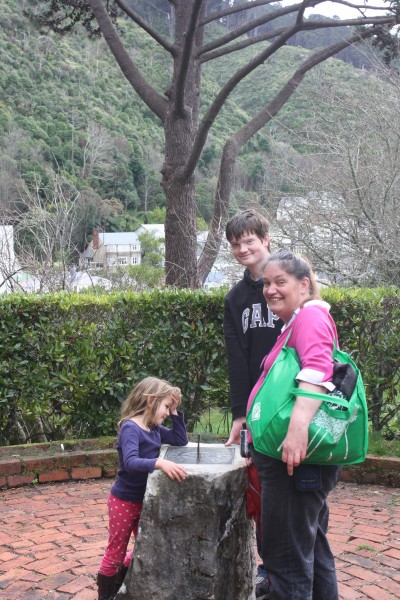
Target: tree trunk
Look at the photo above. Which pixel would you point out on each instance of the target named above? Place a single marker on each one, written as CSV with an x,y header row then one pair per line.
x,y
180,224
376,408
180,125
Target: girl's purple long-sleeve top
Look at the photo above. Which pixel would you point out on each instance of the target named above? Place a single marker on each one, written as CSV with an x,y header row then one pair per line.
x,y
138,451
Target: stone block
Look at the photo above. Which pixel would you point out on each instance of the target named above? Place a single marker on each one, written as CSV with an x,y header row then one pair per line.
x,y
70,459
195,539
10,466
17,480
110,471
54,475
86,473
37,464
104,457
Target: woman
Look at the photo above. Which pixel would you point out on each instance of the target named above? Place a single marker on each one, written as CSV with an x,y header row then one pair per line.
x,y
295,549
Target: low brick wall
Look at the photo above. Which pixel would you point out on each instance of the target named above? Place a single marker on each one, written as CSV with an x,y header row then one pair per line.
x,y
18,468
375,470
65,466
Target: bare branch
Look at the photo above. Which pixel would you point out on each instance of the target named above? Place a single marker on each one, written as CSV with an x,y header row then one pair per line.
x,y
220,99
186,55
148,94
348,214
145,26
303,26
239,31
235,9
289,88
243,44
44,233
293,8
236,142
240,74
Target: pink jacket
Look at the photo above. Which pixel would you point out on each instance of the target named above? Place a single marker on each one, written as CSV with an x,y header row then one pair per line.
x,y
312,334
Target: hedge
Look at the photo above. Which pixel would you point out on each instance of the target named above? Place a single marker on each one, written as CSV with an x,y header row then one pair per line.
x,y
368,323
67,361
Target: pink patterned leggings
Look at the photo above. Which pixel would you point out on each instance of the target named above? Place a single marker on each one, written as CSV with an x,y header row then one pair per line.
x,y
123,521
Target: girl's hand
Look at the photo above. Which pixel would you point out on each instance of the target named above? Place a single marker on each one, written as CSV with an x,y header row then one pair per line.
x,y
176,398
171,469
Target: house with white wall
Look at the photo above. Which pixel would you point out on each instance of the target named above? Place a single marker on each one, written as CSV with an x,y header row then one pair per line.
x,y
108,251
157,230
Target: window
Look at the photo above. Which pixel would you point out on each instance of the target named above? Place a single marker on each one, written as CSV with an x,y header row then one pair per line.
x,y
122,260
111,261
134,260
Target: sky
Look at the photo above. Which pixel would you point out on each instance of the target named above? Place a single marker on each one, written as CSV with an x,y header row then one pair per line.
x,y
330,9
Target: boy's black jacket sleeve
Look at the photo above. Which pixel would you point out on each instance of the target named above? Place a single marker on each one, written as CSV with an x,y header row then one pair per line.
x,y
238,365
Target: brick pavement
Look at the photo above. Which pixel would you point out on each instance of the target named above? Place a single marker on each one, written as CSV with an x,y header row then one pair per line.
x,y
52,538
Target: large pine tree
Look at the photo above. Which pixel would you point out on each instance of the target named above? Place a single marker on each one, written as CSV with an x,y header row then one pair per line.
x,y
187,40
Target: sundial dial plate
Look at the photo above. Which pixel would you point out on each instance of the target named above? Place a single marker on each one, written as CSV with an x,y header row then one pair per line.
x,y
205,456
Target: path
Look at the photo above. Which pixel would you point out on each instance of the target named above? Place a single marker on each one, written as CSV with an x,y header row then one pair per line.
x,y
52,538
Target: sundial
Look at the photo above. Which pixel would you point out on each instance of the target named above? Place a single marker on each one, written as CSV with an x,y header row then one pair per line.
x,y
200,455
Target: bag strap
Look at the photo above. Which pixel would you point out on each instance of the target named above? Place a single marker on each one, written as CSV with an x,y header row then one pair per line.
x,y
321,397
287,338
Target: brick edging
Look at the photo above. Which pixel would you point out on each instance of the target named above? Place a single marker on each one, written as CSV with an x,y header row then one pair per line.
x,y
375,470
94,464
66,466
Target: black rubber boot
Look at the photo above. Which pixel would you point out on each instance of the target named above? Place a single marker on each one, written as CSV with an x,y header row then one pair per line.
x,y
106,586
120,577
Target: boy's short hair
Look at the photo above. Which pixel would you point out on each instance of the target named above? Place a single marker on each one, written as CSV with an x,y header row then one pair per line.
x,y
247,221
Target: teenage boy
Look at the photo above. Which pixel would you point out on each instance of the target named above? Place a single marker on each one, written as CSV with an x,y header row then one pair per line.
x,y
250,328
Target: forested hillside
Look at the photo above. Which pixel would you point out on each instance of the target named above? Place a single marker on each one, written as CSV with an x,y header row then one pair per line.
x,y
66,108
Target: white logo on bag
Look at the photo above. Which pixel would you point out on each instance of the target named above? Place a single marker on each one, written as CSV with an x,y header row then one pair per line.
x,y
256,412
328,425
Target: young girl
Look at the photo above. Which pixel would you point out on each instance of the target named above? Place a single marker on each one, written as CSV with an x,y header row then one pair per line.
x,y
141,433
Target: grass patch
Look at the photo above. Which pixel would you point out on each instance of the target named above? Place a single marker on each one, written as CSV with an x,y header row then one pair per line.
x,y
379,446
215,420
366,547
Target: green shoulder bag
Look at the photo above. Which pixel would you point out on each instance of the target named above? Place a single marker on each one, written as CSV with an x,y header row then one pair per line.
x,y
338,433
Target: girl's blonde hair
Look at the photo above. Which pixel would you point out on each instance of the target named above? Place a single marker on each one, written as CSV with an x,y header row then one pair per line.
x,y
137,403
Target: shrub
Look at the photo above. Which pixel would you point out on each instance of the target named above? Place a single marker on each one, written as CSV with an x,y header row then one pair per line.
x,y
67,361
368,324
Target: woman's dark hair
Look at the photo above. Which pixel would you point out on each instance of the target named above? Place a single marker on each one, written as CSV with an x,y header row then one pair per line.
x,y
295,265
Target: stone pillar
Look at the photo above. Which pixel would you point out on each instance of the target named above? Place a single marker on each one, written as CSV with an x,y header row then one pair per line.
x,y
195,540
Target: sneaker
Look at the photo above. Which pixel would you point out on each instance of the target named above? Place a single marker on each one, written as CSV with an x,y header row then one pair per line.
x,y
262,587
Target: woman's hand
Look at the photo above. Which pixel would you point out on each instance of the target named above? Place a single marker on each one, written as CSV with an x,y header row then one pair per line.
x,y
294,447
171,469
